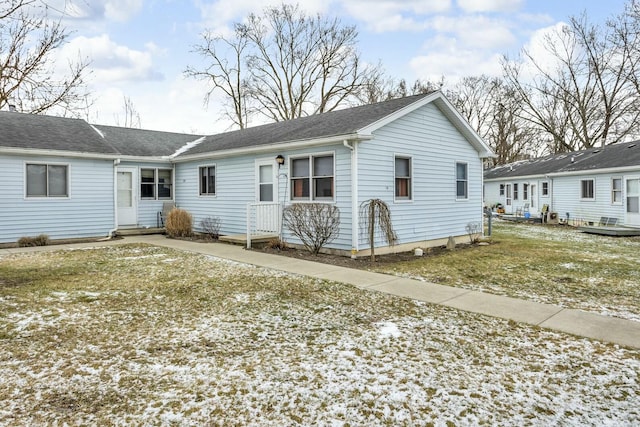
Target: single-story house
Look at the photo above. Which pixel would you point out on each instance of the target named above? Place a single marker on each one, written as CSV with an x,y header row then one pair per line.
x,y
580,187
69,179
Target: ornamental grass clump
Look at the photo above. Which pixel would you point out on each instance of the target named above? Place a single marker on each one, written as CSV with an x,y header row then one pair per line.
x,y
179,223
40,240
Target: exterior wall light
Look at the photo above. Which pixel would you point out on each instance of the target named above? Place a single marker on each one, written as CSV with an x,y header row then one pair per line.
x,y
280,160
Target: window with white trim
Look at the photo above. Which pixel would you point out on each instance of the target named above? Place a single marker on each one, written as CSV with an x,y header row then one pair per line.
x,y
525,191
207,180
502,189
47,180
156,184
462,181
515,191
587,189
616,191
545,188
403,178
312,177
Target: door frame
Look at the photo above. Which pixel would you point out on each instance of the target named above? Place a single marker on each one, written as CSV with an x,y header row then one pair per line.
x,y
631,219
134,195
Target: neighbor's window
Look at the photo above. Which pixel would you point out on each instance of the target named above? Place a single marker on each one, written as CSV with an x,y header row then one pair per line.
x,y
156,184
403,178
502,189
207,180
545,188
525,191
312,177
587,189
515,191
462,183
44,180
616,191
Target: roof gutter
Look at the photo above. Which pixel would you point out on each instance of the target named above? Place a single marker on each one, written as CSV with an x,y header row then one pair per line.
x,y
305,143
57,153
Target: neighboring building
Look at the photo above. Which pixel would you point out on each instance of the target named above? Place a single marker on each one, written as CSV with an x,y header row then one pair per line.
x,y
67,179
581,187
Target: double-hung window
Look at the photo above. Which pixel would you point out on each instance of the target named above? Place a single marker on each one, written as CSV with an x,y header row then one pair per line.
x,y
587,191
462,181
515,191
403,178
207,180
502,189
156,184
616,191
545,188
525,191
312,177
46,180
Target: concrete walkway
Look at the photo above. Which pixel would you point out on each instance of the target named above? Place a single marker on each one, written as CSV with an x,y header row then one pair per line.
x,y
576,322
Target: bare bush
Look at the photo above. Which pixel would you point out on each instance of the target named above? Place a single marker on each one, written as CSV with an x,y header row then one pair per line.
x,y
474,230
211,226
41,240
179,223
315,224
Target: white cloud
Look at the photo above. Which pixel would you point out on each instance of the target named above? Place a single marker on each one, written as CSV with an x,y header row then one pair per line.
x,y
456,64
473,6
95,10
475,31
217,16
384,15
111,62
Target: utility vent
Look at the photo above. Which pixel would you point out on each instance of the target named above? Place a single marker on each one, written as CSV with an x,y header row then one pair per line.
x,y
596,151
631,146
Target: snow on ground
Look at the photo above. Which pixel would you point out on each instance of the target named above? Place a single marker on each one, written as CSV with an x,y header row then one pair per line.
x,y
204,342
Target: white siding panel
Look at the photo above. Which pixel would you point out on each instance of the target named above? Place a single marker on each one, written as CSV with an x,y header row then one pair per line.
x,y
88,212
435,146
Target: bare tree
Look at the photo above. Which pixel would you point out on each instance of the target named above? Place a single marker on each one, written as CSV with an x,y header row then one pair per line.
x,y
28,39
381,88
376,217
284,64
225,73
587,97
131,115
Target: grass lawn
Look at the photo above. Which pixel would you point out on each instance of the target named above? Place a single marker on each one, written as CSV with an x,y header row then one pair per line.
x,y
556,265
140,335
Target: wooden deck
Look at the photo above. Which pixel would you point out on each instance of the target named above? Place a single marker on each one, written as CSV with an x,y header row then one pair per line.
x,y
610,231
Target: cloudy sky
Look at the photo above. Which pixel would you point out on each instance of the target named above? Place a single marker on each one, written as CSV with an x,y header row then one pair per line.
x,y
140,48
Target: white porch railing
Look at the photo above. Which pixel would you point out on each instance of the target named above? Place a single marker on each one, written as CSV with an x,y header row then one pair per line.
x,y
263,218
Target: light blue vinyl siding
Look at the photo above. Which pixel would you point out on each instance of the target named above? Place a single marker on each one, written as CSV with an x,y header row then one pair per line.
x,y
235,188
566,198
434,146
87,212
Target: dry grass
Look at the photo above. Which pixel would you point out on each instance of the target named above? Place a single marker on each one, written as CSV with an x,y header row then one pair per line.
x,y
556,265
138,335
179,223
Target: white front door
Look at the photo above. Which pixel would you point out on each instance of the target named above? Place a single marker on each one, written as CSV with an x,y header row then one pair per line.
x,y
268,208
632,202
126,197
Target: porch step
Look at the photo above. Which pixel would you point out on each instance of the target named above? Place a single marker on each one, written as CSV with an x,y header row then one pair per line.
x,y
241,239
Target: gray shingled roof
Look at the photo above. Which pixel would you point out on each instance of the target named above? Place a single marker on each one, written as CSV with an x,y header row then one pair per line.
x,y
31,131
144,143
611,156
334,123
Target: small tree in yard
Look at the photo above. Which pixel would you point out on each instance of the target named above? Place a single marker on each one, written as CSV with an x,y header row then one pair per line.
x,y
376,215
315,224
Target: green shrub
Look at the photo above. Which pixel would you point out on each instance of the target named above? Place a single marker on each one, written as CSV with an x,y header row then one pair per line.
x,y
41,240
179,223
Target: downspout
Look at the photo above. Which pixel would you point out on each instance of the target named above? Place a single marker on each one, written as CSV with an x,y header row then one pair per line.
x,y
354,197
112,232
